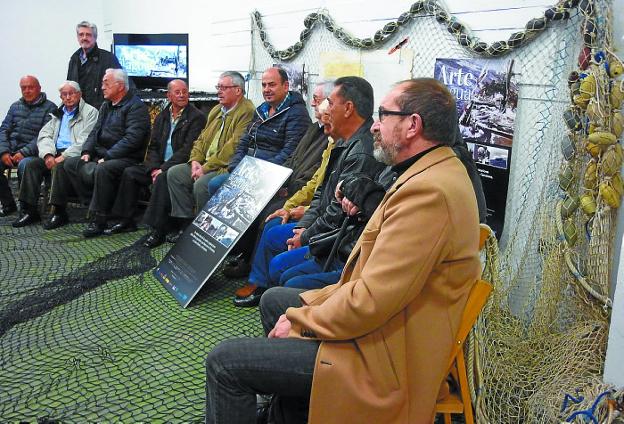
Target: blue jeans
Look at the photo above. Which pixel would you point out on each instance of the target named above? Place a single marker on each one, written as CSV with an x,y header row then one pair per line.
x,y
238,369
272,242
215,183
297,269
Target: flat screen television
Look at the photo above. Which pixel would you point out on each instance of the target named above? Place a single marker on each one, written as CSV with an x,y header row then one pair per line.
x,y
152,60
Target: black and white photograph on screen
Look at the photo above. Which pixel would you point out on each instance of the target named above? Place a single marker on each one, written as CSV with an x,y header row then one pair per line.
x,y
153,61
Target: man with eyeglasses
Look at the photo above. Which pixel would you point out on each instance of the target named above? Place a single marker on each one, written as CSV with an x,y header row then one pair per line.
x,y
279,124
175,129
18,135
61,138
304,162
373,347
350,111
117,141
187,183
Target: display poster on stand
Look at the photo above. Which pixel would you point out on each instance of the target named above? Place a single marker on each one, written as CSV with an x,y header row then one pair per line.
x,y
487,97
218,225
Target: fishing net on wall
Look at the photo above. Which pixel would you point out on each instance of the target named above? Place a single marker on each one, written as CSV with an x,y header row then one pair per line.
x,y
538,352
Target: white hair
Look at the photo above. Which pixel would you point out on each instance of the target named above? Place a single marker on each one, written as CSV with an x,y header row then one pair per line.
x,y
119,75
72,84
87,24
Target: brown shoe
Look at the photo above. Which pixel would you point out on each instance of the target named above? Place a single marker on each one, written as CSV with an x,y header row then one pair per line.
x,y
245,290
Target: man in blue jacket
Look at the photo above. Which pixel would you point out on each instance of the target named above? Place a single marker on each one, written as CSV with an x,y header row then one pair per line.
x,y
279,123
18,135
117,141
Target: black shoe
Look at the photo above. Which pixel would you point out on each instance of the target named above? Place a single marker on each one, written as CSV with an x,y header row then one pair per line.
x,y
94,229
26,219
8,210
252,300
122,227
56,221
173,238
237,269
154,240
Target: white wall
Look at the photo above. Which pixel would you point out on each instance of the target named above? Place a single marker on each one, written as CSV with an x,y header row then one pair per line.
x,y
37,37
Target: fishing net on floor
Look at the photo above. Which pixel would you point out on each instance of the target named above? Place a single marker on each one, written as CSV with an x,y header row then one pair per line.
x,y
538,351
88,335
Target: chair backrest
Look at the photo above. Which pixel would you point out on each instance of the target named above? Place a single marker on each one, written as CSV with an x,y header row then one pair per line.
x,y
476,300
484,233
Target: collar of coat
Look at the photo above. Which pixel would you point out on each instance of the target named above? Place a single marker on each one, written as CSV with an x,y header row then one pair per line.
x,y
291,98
432,158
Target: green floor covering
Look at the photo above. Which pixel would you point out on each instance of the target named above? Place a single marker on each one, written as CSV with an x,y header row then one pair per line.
x,y
89,335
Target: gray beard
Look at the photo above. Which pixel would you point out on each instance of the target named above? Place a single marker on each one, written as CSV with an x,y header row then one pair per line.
x,y
381,155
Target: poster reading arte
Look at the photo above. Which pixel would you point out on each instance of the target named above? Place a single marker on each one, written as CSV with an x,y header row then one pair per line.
x,y
487,97
217,227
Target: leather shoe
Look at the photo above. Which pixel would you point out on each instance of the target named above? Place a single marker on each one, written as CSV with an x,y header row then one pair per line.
x,y
173,238
26,219
94,229
155,239
237,269
252,300
8,210
246,290
56,221
121,227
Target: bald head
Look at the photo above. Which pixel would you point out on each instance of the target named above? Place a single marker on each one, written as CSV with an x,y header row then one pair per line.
x,y
178,94
31,89
274,86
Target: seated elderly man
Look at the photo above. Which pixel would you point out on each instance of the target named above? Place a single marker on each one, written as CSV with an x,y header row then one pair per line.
x,y
279,124
117,141
59,139
350,110
18,135
375,345
175,129
187,183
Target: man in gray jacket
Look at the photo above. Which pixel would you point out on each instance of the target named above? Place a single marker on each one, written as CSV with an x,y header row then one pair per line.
x,y
62,137
18,135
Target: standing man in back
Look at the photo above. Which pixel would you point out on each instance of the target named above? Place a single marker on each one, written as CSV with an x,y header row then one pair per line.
x,y
89,63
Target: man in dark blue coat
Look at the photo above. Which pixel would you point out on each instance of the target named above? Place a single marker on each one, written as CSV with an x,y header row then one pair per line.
x,y
117,141
18,135
279,123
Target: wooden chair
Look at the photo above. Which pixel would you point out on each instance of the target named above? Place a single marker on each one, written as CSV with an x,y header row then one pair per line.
x,y
460,403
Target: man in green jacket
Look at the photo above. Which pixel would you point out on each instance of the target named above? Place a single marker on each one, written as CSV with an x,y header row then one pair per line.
x,y
211,153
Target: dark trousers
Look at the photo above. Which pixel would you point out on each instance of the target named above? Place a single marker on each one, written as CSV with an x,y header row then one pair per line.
x,y
6,196
106,181
238,369
72,176
157,213
34,173
133,180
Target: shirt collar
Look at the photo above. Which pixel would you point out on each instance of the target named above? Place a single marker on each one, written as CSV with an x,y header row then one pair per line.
x,y
266,107
72,113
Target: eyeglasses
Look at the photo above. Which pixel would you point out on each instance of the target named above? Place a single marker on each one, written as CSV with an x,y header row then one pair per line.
x,y
68,93
224,87
384,112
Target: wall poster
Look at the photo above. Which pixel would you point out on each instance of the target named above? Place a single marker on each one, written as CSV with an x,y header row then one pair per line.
x,y
216,228
487,97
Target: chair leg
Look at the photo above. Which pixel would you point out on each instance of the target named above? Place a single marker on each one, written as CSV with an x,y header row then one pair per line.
x,y
447,418
463,388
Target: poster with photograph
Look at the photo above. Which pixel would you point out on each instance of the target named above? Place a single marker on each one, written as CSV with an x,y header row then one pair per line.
x,y
296,77
217,227
487,97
